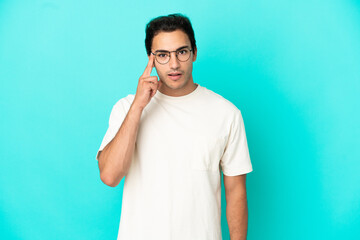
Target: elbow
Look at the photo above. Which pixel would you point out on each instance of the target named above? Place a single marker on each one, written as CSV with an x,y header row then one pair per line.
x,y
104,176
110,180
107,176
107,180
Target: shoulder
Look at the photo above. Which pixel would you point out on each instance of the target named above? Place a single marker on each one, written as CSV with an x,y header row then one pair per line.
x,y
124,102
220,103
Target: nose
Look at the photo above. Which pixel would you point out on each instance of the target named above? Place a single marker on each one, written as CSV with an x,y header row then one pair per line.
x,y
174,62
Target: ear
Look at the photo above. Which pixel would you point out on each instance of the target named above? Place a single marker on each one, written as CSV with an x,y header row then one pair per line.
x,y
194,54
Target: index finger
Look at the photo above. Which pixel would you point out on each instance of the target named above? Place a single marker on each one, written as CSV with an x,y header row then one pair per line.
x,y
149,66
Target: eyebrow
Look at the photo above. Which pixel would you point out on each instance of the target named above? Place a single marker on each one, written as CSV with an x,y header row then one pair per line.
x,y
161,50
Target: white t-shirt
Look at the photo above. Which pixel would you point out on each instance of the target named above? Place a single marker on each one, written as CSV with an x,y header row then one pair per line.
x,y
172,190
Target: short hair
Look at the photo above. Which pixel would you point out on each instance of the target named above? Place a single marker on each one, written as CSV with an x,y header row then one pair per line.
x,y
168,23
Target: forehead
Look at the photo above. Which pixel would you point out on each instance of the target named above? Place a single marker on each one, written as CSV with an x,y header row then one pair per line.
x,y
170,41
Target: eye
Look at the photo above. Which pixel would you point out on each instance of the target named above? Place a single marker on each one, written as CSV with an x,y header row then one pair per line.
x,y
162,55
182,52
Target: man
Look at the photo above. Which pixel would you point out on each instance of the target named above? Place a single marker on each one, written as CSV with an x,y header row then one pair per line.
x,y
170,140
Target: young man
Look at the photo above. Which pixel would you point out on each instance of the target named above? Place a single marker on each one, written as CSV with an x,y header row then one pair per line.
x,y
170,141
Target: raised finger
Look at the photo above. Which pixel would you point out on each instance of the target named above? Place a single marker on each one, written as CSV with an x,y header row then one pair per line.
x,y
149,66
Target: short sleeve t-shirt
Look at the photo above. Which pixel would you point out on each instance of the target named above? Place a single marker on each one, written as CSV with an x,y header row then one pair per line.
x,y
172,190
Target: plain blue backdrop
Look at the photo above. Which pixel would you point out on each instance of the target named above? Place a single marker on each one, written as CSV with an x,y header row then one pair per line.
x,y
291,67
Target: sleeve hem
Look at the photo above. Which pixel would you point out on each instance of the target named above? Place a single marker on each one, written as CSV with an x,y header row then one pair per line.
x,y
239,172
97,155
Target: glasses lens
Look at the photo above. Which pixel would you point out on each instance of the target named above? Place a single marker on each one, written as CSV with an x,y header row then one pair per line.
x,y
183,54
162,57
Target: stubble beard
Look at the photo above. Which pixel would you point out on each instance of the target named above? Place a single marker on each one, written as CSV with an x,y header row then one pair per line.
x,y
184,82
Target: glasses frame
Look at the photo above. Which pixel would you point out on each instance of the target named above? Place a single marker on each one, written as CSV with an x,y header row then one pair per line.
x,y
175,55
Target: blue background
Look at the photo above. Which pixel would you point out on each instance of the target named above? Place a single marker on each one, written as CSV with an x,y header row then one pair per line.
x,y
291,67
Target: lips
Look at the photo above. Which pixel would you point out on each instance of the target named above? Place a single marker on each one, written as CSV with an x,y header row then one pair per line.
x,y
175,76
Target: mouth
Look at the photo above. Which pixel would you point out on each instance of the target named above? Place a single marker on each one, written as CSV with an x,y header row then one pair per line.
x,y
175,75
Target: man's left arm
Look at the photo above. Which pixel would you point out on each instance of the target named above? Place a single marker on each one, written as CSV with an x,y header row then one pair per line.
x,y
236,206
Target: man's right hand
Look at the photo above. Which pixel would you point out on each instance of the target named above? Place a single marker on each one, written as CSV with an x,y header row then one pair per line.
x,y
147,85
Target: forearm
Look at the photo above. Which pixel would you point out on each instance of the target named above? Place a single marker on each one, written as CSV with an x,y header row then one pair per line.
x,y
115,159
237,216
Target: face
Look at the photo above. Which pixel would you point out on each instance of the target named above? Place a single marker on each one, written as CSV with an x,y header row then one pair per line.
x,y
171,41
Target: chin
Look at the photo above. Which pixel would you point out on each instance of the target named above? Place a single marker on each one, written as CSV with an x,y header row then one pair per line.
x,y
172,84
177,85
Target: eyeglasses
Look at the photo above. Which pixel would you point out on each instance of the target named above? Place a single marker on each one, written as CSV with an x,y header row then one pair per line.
x,y
163,57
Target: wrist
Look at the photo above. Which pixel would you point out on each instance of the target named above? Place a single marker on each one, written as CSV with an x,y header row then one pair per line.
x,y
136,108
